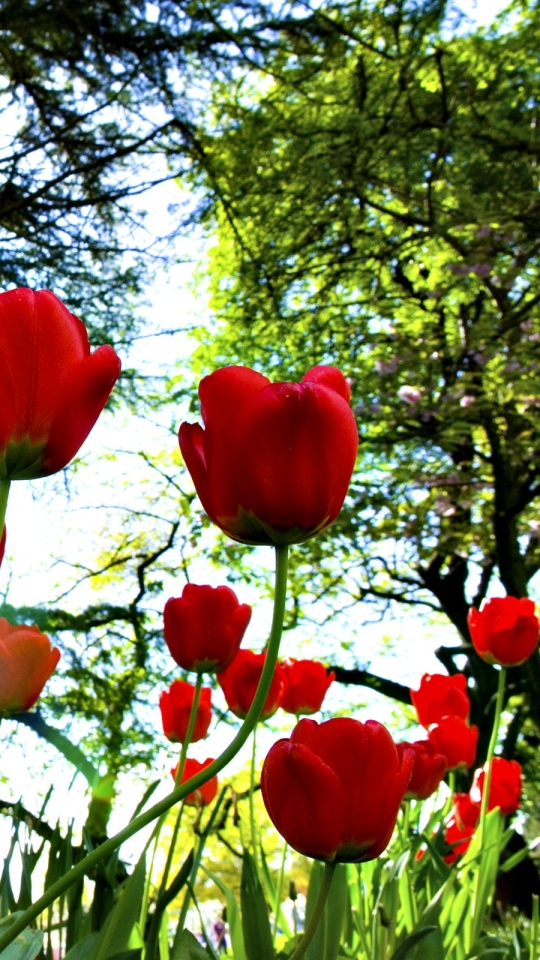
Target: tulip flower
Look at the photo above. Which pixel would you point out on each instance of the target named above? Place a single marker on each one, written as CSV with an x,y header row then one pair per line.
x,y
52,388
203,795
27,660
240,680
428,770
175,705
274,460
461,826
204,627
505,786
333,789
305,685
456,740
504,630
441,696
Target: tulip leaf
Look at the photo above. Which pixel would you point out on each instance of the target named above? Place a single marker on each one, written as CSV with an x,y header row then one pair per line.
x,y
188,948
233,917
84,950
69,750
486,868
114,937
26,946
412,940
255,918
271,893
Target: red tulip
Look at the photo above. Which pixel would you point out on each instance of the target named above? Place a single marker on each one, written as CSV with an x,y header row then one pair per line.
x,y
333,789
52,389
306,683
441,696
26,663
274,461
204,627
428,770
454,738
240,680
175,705
505,786
461,826
504,630
203,795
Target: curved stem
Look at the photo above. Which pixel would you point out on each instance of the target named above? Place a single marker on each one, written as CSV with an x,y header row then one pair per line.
x,y
4,494
180,792
309,933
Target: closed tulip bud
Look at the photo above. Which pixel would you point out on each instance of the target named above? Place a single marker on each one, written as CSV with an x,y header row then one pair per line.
x,y
333,789
504,630
52,389
175,705
27,660
240,680
204,627
505,786
274,460
456,740
441,696
428,770
305,685
203,795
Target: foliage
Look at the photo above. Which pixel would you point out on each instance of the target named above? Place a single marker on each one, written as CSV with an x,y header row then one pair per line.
x,y
407,902
373,192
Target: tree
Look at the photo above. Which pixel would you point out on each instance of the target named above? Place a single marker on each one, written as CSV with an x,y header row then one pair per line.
x,y
373,191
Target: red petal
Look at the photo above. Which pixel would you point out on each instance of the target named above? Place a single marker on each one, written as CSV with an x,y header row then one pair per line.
x,y
78,405
304,799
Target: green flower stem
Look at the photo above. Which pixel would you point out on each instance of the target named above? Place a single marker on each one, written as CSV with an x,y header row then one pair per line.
x,y
4,494
279,888
405,821
477,913
180,792
190,729
251,796
154,930
490,754
309,933
450,798
197,857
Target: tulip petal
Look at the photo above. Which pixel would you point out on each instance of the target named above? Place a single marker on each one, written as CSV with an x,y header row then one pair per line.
x,y
373,778
82,398
304,799
293,452
329,377
40,340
